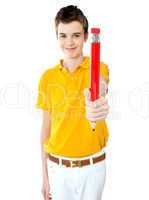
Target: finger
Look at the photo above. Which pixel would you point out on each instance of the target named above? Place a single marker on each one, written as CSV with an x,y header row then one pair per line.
x,y
96,115
95,119
99,102
89,103
44,194
97,110
101,118
92,109
48,196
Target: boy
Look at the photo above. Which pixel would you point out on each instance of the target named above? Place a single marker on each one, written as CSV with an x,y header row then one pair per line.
x,y
73,156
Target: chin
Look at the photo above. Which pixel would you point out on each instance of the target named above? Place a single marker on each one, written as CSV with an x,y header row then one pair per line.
x,y
73,56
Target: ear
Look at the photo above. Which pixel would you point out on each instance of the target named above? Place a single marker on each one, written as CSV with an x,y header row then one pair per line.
x,y
56,35
85,37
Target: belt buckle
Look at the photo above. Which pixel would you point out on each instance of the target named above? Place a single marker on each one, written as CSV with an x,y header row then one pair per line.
x,y
76,163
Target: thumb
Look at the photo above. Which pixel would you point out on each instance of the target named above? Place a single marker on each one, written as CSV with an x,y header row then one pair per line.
x,y
87,93
103,88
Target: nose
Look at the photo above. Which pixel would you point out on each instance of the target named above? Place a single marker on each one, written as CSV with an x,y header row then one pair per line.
x,y
70,41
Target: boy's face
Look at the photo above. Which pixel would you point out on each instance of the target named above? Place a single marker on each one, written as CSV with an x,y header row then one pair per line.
x,y
71,38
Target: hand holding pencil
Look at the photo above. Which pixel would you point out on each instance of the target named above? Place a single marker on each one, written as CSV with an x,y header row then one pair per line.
x,y
96,105
96,110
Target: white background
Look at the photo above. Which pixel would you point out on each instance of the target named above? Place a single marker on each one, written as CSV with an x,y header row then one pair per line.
x,y
28,47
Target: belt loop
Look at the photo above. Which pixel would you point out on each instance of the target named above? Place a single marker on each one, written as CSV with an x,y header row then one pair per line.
x,y
91,161
71,163
60,162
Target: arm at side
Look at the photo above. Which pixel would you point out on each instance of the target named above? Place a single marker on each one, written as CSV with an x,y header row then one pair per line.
x,y
45,133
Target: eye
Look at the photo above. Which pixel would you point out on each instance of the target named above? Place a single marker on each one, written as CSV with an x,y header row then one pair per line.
x,y
76,36
62,36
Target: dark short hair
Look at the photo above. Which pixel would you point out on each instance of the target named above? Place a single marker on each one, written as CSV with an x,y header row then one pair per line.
x,y
69,14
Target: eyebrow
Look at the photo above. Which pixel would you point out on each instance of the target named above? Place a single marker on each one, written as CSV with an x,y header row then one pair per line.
x,y
77,33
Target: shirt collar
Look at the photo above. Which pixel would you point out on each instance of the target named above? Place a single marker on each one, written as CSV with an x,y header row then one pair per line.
x,y
84,64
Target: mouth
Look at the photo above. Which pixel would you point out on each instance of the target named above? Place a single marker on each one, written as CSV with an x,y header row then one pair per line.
x,y
71,49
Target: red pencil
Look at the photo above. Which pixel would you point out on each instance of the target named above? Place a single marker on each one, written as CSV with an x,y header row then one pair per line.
x,y
95,67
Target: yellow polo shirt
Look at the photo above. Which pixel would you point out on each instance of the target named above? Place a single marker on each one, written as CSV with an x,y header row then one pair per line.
x,y
61,93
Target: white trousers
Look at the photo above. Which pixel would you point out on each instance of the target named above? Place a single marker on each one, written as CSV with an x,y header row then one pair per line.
x,y
85,183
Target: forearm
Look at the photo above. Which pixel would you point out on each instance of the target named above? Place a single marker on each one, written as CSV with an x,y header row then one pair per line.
x,y
45,134
44,162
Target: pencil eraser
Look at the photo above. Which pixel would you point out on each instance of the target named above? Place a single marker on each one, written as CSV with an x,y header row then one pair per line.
x,y
95,30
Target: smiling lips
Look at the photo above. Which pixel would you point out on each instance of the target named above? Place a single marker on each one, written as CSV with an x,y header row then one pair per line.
x,y
70,49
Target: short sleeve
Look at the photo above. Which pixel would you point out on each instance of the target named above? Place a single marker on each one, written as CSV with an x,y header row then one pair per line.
x,y
104,70
43,98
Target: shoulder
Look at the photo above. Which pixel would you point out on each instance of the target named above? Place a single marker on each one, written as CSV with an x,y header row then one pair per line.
x,y
104,65
49,73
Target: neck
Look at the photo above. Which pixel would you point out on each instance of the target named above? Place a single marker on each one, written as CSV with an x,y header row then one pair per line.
x,y
72,63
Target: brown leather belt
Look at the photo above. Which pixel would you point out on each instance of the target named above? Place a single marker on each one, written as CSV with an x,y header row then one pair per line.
x,y
77,163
